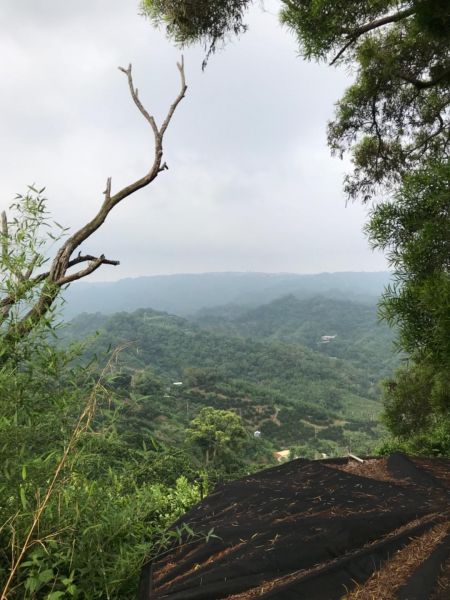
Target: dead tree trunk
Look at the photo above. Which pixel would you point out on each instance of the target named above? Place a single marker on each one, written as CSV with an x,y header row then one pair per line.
x,y
60,272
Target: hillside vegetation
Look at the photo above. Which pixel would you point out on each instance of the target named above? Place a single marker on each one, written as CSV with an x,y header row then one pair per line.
x,y
321,398
358,336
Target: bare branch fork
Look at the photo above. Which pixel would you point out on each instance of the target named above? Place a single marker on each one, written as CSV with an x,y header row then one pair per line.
x,y
57,276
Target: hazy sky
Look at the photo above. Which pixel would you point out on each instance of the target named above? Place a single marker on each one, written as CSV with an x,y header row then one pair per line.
x,y
251,185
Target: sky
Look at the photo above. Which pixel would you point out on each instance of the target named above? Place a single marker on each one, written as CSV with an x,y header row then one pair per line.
x,y
251,185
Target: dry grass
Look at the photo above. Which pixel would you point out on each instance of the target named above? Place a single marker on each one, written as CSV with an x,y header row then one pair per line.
x,y
442,591
374,468
383,584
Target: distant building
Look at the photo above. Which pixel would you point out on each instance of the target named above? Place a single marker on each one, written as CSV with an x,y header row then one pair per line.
x,y
177,383
257,434
326,339
282,455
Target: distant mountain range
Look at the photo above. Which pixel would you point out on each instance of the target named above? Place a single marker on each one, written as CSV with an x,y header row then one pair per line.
x,y
187,293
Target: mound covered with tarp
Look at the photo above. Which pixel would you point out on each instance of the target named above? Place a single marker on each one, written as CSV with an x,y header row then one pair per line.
x,y
330,529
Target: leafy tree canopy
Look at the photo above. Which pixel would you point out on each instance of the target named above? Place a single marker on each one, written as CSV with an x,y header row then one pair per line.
x,y
216,431
395,114
414,229
209,21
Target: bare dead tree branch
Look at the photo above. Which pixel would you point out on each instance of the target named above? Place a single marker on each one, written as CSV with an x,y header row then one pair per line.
x,y
83,258
57,276
63,256
135,96
178,99
94,264
9,300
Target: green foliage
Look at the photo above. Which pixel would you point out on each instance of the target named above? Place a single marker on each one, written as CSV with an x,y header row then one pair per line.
x,y
170,345
147,383
360,337
417,401
202,377
433,441
96,546
395,115
322,26
110,507
209,21
278,387
25,238
219,433
82,502
414,230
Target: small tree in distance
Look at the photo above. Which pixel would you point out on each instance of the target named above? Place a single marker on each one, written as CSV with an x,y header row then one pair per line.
x,y
216,432
27,293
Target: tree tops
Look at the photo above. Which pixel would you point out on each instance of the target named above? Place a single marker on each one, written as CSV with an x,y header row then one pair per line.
x,y
217,432
395,114
414,230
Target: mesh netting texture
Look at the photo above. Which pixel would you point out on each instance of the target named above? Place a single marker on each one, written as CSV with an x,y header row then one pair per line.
x,y
316,530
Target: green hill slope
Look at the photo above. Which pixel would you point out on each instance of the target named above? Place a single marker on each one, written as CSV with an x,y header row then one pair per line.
x,y
292,394
351,329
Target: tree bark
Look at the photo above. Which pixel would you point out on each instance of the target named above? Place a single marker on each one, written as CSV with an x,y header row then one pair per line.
x,y
58,275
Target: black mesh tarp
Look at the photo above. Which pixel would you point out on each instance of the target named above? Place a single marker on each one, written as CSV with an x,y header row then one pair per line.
x,y
309,530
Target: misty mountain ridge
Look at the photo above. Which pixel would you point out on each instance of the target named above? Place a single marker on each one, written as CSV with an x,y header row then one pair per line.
x,y
299,357
185,294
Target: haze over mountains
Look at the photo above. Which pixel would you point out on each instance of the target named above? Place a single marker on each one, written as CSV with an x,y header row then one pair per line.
x,y
185,294
299,357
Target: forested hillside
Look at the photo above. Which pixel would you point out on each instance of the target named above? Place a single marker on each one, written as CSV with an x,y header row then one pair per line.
x,y
114,424
337,328
260,368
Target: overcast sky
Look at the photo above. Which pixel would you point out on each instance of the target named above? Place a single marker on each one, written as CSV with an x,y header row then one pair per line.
x,y
251,185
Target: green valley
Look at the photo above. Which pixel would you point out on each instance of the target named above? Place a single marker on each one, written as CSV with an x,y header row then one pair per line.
x,y
269,365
